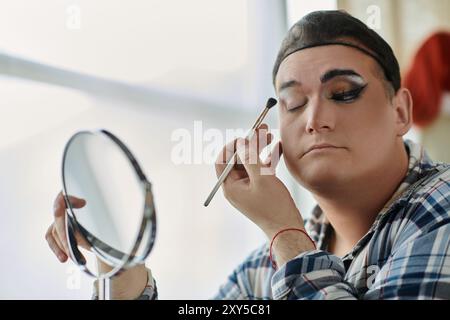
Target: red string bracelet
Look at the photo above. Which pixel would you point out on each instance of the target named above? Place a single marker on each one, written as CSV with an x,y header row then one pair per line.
x,y
274,265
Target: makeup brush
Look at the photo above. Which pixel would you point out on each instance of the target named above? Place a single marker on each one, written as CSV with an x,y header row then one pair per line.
x,y
270,103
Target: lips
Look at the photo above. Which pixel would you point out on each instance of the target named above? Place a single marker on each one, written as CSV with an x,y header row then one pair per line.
x,y
319,146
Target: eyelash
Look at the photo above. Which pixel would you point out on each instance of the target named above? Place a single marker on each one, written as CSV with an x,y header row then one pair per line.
x,y
297,107
342,97
348,96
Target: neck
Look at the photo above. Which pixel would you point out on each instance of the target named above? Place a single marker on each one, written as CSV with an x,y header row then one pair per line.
x,y
352,209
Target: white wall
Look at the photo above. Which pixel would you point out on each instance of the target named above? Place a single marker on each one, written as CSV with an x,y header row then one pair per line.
x,y
196,247
218,56
166,65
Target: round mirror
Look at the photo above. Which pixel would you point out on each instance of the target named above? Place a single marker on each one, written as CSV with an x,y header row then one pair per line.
x,y
115,226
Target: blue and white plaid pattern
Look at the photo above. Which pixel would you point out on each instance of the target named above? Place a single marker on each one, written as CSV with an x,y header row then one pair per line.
x,y
404,255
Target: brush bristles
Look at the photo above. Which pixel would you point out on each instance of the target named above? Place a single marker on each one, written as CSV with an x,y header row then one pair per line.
x,y
271,102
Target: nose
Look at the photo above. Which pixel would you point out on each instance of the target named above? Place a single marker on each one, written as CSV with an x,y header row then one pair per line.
x,y
320,117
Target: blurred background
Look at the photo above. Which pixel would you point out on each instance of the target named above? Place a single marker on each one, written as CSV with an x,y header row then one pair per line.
x,y
143,69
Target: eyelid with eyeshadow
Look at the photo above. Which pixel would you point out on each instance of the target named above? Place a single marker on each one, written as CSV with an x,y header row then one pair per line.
x,y
357,84
348,95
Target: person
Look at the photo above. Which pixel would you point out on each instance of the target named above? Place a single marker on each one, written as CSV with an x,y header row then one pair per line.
x,y
381,226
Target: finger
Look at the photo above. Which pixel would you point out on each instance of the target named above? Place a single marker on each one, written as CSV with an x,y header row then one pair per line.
x,y
264,137
253,149
77,203
224,157
58,241
226,153
60,218
264,140
248,154
60,204
81,241
263,126
274,157
60,227
54,246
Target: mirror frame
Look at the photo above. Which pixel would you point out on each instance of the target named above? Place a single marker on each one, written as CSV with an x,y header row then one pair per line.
x,y
147,226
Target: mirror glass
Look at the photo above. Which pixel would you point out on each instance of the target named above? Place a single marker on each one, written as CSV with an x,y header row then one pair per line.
x,y
115,227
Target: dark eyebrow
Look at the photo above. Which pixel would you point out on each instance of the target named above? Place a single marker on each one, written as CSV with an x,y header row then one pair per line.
x,y
338,72
330,74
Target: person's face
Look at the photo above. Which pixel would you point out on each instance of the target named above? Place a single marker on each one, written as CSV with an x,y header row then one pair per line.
x,y
333,95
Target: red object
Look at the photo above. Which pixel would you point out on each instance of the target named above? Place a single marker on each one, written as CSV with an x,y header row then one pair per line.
x,y
274,265
428,77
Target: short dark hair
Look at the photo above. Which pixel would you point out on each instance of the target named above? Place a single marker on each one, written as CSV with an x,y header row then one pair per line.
x,y
320,28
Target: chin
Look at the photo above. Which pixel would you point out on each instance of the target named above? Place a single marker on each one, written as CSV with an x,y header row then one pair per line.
x,y
319,175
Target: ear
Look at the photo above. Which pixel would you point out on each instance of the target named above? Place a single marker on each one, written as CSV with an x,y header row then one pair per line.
x,y
403,104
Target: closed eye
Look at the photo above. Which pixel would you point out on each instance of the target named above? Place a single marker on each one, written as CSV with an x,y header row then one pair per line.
x,y
295,107
348,96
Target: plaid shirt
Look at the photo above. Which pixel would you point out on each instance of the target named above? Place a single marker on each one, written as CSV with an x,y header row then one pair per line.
x,y
404,255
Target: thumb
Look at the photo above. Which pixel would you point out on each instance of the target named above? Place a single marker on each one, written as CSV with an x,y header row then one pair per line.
x,y
247,152
271,163
75,202
275,155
